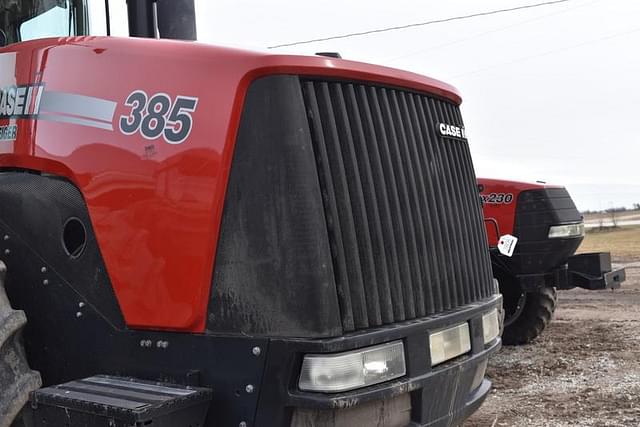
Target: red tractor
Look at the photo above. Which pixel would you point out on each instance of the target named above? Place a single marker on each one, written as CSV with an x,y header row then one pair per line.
x,y
203,236
548,229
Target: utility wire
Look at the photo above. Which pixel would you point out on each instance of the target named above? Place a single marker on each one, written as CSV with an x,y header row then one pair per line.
x,y
418,24
492,31
551,52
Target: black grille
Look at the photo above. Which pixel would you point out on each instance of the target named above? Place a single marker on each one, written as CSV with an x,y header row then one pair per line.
x,y
401,204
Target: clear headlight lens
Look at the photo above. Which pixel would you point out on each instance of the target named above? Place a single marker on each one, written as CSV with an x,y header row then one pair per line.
x,y
490,326
449,343
566,231
332,373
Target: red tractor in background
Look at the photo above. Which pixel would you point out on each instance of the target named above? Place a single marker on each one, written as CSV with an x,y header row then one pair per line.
x,y
549,229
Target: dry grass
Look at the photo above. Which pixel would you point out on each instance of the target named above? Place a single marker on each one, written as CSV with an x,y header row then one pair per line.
x,y
622,242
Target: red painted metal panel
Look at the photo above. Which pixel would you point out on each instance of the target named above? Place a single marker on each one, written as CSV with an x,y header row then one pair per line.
x,y
500,199
155,207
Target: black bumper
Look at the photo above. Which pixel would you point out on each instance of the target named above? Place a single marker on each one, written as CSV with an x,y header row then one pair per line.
x,y
473,401
592,271
452,389
440,395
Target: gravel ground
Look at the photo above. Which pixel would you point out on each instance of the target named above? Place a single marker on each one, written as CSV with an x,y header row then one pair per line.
x,y
584,370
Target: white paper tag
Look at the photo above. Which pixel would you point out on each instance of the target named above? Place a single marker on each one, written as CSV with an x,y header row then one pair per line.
x,y
507,244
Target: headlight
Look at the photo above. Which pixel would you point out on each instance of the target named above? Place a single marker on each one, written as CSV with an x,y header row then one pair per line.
x,y
449,343
490,326
332,373
566,231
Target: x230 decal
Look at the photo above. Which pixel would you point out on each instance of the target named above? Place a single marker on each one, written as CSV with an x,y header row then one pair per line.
x,y
497,198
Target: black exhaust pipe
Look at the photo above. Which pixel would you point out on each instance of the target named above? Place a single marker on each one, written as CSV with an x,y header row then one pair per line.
x,y
177,19
166,19
142,20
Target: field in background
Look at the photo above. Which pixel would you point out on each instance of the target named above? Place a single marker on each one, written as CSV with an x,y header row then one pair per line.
x,y
622,242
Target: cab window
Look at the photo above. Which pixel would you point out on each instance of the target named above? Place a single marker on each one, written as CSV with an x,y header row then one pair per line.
x,y
22,20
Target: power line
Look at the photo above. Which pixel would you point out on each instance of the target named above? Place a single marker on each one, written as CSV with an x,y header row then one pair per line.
x,y
418,24
492,31
551,52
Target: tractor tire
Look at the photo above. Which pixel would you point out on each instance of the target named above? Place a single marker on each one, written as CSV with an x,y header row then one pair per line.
x,y
526,314
532,318
17,380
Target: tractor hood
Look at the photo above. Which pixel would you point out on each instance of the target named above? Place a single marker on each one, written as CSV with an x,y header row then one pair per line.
x,y
144,127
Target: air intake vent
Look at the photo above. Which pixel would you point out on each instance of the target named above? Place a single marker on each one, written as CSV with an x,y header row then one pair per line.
x,y
401,203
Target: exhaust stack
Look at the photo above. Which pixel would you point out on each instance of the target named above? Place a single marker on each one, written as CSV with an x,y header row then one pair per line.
x,y
165,19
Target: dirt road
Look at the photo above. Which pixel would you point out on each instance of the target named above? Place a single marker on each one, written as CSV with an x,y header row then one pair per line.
x,y
583,371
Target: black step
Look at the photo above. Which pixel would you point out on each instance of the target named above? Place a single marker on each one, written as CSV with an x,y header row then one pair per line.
x,y
118,402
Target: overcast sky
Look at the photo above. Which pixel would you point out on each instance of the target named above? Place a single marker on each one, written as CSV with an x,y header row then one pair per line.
x,y
549,93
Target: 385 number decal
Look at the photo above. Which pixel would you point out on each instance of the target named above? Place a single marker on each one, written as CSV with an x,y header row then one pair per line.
x,y
158,115
497,198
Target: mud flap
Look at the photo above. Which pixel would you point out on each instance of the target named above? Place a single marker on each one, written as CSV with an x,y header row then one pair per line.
x,y
593,271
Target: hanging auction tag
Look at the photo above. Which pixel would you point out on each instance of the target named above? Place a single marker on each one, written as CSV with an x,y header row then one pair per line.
x,y
507,244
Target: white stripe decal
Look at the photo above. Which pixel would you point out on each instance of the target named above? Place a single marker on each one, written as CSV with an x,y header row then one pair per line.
x,y
75,121
78,105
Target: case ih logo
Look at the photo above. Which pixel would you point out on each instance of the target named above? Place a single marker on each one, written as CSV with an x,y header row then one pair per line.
x,y
20,101
452,131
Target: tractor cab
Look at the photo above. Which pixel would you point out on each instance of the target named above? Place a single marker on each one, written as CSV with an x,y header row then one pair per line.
x,y
23,20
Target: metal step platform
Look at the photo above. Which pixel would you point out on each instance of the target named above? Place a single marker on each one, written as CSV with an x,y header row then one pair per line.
x,y
117,402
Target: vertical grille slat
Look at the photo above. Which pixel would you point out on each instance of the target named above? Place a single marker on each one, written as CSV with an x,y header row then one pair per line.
x,y
401,202
413,291
451,196
386,215
345,214
462,219
394,202
378,255
359,211
472,262
421,208
437,206
331,210
444,192
435,252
